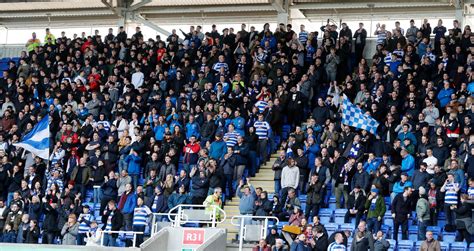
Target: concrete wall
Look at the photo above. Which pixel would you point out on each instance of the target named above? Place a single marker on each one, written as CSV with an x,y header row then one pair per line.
x,y
173,238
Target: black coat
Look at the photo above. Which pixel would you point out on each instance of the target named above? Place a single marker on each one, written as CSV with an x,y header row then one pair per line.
x,y
321,243
117,221
358,204
401,208
51,216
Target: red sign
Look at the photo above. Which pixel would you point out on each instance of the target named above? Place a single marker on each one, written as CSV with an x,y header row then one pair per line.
x,y
193,237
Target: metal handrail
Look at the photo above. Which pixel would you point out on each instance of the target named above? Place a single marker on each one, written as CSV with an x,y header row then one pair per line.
x,y
213,221
263,233
119,232
154,223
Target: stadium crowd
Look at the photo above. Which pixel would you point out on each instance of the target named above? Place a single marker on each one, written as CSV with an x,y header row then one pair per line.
x,y
142,125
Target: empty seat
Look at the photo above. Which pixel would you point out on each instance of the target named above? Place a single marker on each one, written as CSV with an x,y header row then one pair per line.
x,y
339,215
449,237
457,246
405,245
347,226
435,229
331,226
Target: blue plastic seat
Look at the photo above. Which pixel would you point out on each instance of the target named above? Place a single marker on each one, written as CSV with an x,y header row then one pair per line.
x,y
449,237
339,215
331,226
405,245
458,246
393,244
347,226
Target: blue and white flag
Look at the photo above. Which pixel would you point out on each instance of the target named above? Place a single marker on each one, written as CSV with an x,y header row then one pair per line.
x,y
353,116
37,141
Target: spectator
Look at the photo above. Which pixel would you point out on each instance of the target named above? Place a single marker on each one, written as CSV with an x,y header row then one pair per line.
x,y
126,205
375,207
338,243
380,244
355,205
277,168
363,239
300,244
23,228
290,176
262,246
84,220
313,199
33,233
141,216
70,231
247,199
279,246
430,243
451,192
113,221
422,213
401,209
463,219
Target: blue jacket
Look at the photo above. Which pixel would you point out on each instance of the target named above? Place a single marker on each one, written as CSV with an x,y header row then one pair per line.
x,y
192,129
130,203
372,166
239,124
133,162
272,40
444,96
159,132
9,237
408,165
312,153
398,187
409,135
177,199
218,149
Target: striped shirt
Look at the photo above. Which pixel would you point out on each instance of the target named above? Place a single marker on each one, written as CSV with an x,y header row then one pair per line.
x,y
451,196
231,138
85,220
217,66
336,247
261,129
470,192
303,36
381,37
109,222
105,124
261,105
140,216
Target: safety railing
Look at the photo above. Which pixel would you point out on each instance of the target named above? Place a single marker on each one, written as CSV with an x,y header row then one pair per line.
x,y
243,229
169,216
194,215
134,240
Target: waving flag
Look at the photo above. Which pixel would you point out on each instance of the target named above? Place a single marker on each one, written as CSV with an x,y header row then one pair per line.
x,y
37,141
353,116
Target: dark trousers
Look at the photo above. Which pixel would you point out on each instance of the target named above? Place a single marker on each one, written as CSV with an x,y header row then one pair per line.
x,y
284,195
358,216
49,237
262,149
359,52
373,225
312,210
80,239
139,236
450,215
404,225
229,190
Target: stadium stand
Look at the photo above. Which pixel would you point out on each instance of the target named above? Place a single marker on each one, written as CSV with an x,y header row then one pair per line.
x,y
251,122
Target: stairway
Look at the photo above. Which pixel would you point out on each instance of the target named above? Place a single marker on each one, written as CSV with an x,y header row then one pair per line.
x,y
263,179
